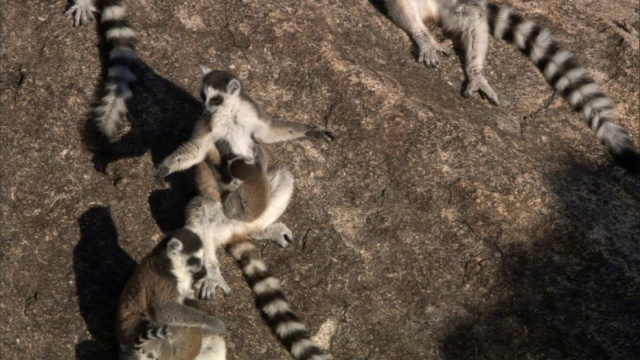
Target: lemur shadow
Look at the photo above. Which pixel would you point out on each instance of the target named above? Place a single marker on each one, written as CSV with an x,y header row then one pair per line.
x,y
102,270
573,293
161,117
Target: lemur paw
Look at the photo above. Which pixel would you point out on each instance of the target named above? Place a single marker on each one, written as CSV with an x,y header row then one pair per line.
x,y
323,134
278,233
428,54
216,325
82,12
161,173
481,85
207,285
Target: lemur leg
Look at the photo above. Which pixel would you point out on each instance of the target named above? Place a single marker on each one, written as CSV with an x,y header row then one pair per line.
x,y
282,130
406,15
206,218
82,12
214,347
470,21
281,182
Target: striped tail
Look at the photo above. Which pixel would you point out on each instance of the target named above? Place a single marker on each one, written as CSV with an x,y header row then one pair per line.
x,y
568,78
122,57
273,305
151,332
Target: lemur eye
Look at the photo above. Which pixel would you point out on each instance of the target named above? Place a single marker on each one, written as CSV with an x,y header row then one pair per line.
x,y
216,100
203,96
193,261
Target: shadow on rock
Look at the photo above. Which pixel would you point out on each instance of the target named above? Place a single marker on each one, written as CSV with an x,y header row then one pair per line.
x,y
575,292
102,270
161,117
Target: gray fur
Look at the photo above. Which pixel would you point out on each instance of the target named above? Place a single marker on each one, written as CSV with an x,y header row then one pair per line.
x,y
154,312
121,74
473,20
238,120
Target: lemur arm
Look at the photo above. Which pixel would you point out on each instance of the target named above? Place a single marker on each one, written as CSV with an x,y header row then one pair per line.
x,y
187,155
282,130
176,314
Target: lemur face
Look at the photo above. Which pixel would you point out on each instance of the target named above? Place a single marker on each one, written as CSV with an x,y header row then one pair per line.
x,y
219,89
186,254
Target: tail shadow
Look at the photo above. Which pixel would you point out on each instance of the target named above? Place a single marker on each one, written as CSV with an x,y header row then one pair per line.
x,y
161,116
102,270
574,292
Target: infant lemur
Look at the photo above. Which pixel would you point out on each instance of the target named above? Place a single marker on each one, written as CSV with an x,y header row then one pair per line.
x,y
473,20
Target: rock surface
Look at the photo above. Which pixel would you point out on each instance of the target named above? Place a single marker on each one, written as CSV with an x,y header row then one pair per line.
x,y
435,227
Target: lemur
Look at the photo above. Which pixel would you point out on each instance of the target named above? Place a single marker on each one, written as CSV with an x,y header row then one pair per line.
x,y
121,75
207,219
229,136
232,128
473,20
154,315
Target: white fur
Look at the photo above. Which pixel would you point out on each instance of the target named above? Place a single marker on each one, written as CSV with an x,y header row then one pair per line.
x,y
285,328
501,22
116,12
120,33
299,347
254,266
269,284
522,33
277,306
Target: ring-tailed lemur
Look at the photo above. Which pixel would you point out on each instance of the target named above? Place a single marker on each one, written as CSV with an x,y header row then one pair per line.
x,y
207,219
121,74
474,20
153,316
234,122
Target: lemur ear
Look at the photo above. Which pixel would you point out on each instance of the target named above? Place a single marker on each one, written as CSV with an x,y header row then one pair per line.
x,y
234,86
174,245
205,69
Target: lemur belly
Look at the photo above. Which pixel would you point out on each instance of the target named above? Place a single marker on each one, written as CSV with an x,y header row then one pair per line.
x,y
428,9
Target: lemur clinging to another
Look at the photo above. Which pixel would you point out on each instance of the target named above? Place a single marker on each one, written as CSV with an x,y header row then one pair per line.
x,y
154,318
233,127
473,20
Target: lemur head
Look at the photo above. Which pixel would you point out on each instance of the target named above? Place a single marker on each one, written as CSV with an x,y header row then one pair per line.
x,y
220,89
185,252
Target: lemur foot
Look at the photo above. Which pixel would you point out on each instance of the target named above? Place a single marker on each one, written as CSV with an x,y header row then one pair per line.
x,y
428,53
481,85
82,12
323,134
278,233
206,287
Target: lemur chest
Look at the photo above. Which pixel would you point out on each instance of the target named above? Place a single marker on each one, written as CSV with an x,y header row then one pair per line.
x,y
429,10
238,134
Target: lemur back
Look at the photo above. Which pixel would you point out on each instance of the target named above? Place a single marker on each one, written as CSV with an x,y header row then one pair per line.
x,y
473,20
153,315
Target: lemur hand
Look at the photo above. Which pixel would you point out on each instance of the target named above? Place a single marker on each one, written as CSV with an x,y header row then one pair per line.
x,y
81,12
323,134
